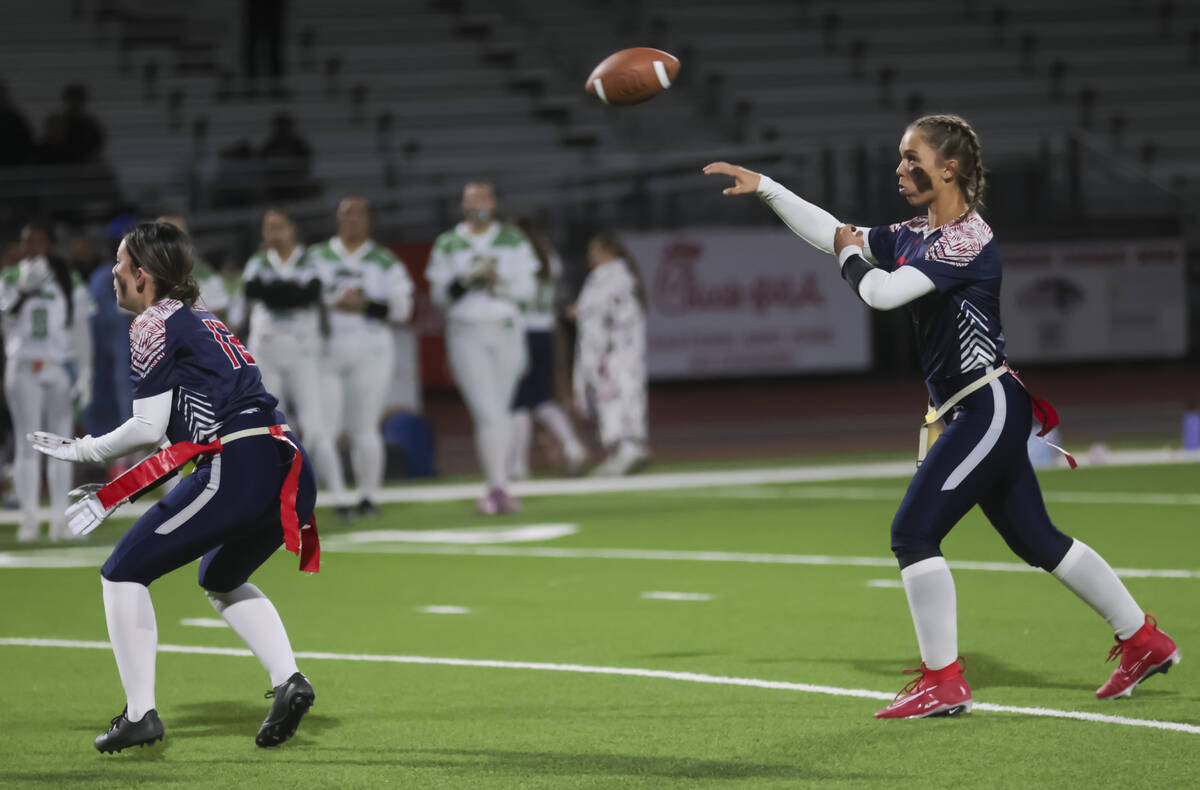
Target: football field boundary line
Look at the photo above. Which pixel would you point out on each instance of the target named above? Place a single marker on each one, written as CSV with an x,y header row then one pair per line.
x,y
584,669
662,481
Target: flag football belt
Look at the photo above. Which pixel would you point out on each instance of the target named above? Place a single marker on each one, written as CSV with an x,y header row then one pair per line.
x,y
302,541
934,425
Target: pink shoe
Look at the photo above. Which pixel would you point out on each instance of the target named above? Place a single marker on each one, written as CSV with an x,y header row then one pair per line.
x,y
935,692
1146,653
506,503
487,505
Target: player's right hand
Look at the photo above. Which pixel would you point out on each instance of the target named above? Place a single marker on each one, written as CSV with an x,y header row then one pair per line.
x,y
745,182
53,445
86,513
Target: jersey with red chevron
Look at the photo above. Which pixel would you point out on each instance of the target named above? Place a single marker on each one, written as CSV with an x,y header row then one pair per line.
x,y
958,325
189,352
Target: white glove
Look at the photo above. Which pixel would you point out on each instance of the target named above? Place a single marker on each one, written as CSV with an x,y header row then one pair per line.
x,y
86,513
53,445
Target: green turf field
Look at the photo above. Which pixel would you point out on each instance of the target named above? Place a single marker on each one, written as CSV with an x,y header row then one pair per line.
x,y
791,584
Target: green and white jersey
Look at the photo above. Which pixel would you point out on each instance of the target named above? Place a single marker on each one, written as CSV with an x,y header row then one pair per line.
x,y
268,266
38,329
371,268
213,294
459,253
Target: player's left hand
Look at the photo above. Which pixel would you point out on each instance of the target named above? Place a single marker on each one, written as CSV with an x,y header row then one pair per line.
x,y
53,445
86,513
847,236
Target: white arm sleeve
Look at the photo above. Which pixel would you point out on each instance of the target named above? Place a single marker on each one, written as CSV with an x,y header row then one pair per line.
x,y
888,290
811,223
147,426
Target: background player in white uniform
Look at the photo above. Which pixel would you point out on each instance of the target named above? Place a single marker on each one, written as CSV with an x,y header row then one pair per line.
x,y
367,289
49,365
535,391
284,288
481,273
610,357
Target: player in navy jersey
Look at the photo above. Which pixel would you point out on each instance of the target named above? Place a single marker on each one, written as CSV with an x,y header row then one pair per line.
x,y
945,268
198,390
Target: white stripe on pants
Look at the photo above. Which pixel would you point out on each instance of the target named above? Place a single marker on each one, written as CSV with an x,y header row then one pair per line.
x,y
487,359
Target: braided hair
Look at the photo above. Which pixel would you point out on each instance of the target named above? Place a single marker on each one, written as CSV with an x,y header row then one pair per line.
x,y
953,138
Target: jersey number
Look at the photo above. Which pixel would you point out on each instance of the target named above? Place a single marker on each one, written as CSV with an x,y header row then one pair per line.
x,y
233,348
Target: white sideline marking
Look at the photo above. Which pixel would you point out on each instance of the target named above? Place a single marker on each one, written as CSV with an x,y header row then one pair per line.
x,y
554,552
523,534
885,583
204,622
660,674
676,596
445,610
895,495
659,482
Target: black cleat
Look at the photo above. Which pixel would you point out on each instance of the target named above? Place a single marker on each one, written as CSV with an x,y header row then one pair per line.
x,y
124,733
344,513
292,701
368,508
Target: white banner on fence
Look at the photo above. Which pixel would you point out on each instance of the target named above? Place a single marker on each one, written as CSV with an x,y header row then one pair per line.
x,y
725,302
1063,302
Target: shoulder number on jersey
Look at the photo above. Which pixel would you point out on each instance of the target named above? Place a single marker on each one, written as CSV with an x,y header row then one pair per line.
x,y
236,352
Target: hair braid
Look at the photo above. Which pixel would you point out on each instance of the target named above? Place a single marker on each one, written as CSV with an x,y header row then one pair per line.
x,y
953,138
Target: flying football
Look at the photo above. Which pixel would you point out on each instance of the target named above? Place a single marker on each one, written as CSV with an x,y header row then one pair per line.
x,y
631,76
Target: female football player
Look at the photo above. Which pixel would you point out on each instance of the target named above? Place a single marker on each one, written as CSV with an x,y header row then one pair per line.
x,y
195,386
944,266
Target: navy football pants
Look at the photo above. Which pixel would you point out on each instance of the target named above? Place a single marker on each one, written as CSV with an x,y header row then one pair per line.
x,y
981,459
226,512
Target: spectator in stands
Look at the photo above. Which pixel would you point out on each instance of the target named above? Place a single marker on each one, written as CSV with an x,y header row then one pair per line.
x,y
262,41
535,391
286,160
74,135
17,146
610,356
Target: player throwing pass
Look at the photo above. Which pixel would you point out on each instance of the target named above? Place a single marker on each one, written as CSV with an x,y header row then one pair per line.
x,y
944,266
197,389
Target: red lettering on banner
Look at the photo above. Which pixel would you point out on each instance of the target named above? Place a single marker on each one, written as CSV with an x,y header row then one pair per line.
x,y
678,289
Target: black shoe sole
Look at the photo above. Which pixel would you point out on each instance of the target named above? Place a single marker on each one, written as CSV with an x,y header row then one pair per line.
x,y
281,733
116,749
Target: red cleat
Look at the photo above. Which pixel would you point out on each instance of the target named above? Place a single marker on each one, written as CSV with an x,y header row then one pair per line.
x,y
934,692
1146,653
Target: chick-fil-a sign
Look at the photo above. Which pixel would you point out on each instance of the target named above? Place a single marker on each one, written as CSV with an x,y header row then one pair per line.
x,y
725,302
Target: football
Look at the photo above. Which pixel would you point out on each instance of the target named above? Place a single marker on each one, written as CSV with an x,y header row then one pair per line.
x,y
632,76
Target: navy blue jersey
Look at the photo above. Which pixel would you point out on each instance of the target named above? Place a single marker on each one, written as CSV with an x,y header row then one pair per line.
x,y
188,351
958,325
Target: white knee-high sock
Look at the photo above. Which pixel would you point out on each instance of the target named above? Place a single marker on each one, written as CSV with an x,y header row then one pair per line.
x,y
26,482
133,633
253,617
930,590
1085,573
518,445
491,440
551,415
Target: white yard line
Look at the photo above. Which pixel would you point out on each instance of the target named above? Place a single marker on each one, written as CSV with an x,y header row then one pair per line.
x,y
683,480
659,674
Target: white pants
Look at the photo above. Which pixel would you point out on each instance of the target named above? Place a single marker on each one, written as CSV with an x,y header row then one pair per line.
x,y
355,375
39,401
487,359
287,359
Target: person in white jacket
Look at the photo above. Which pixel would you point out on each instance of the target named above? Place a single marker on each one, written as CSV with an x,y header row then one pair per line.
x,y
610,357
481,273
45,309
